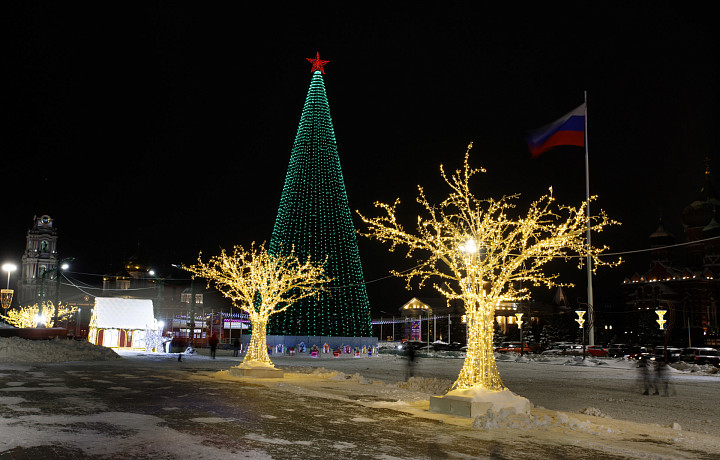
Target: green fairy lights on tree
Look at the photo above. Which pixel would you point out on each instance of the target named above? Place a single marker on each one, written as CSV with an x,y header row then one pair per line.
x,y
314,217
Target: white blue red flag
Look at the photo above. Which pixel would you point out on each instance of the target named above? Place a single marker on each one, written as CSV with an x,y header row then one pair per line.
x,y
568,130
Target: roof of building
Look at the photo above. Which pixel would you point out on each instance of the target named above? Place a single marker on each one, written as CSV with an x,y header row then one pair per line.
x,y
118,313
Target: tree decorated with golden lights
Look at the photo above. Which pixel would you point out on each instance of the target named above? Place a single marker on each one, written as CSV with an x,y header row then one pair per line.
x,y
32,315
483,252
261,284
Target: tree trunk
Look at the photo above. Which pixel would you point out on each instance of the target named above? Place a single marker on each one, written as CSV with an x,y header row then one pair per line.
x,y
257,351
479,369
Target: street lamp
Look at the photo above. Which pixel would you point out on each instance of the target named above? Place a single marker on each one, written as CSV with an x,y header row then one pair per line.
x,y
520,323
63,264
581,320
192,307
160,282
661,320
7,294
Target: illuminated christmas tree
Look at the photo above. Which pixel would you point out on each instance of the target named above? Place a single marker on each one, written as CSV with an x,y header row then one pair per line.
x,y
314,218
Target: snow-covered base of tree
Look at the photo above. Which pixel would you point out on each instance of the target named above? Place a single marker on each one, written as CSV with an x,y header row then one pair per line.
x,y
256,369
504,400
255,365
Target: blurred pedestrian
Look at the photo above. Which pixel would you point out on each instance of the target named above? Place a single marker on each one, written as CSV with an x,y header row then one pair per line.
x,y
236,347
410,353
213,342
645,375
661,383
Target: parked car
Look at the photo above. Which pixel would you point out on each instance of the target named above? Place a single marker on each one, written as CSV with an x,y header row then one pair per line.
x,y
697,355
620,350
564,348
415,345
454,346
516,347
596,350
673,354
639,353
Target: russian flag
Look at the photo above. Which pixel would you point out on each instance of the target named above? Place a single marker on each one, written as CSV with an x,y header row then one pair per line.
x,y
568,130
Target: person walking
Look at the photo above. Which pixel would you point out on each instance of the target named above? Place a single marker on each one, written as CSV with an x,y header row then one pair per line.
x,y
236,347
213,342
643,365
411,361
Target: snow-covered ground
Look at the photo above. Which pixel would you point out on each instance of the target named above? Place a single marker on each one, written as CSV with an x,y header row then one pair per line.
x,y
595,404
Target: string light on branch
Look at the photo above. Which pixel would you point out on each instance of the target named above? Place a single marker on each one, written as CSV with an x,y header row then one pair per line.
x,y
483,251
35,315
261,285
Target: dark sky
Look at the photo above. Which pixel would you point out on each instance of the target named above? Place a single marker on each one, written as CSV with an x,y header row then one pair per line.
x,y
167,126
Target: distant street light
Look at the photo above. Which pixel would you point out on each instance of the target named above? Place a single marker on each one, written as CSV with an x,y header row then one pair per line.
x,y
7,294
581,320
661,320
63,264
9,268
520,323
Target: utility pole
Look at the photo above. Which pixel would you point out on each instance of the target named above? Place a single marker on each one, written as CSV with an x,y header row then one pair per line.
x,y
192,310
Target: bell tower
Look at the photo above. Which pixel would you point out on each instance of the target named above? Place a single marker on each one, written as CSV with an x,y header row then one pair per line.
x,y
39,262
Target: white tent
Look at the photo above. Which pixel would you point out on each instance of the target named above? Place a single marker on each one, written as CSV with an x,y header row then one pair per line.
x,y
121,323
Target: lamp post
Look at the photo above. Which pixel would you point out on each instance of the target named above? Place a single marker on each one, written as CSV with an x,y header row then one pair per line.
x,y
520,323
63,264
160,282
7,294
581,320
393,324
661,320
191,304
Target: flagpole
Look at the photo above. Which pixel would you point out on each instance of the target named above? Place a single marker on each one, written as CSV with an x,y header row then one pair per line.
x,y
591,308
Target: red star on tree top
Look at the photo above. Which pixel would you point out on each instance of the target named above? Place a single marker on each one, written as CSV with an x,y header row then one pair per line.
x,y
317,63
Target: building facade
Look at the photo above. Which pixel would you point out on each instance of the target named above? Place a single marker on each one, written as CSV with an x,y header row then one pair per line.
x,y
683,280
39,263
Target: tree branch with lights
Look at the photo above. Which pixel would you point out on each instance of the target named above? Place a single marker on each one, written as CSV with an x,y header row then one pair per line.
x,y
261,284
32,315
483,252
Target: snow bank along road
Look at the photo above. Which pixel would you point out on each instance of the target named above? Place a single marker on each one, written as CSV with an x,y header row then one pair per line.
x,y
154,407
613,386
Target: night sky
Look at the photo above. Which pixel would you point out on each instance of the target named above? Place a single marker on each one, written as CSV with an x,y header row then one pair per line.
x,y
164,128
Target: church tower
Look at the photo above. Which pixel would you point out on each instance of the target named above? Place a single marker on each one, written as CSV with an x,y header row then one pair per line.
x,y
39,262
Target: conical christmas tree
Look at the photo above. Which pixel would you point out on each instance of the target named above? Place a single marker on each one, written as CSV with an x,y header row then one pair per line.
x,y
314,218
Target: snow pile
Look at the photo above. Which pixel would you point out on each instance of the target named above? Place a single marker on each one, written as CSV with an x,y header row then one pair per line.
x,y
509,419
17,350
594,411
426,385
504,400
355,378
692,368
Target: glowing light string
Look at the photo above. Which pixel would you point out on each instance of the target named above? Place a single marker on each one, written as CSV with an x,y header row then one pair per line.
x,y
472,250
261,285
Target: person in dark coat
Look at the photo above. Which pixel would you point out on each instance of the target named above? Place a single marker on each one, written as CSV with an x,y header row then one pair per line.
x,y
213,342
236,347
410,353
